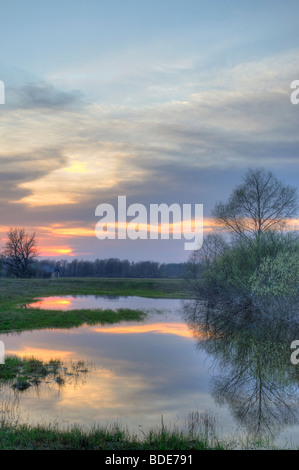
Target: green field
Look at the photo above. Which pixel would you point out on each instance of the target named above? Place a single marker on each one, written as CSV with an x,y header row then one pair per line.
x,y
16,294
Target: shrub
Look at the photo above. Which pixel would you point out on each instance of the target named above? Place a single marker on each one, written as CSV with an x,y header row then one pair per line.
x,y
248,269
277,276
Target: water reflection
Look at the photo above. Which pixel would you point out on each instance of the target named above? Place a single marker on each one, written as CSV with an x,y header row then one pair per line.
x,y
74,302
257,381
142,370
145,369
179,329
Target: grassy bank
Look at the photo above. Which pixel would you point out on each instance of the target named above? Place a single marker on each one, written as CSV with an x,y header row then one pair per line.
x,y
15,294
24,437
14,436
17,319
27,289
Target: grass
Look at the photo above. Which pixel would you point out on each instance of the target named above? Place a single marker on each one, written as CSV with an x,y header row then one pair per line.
x,y
15,436
15,294
22,373
30,319
25,437
29,288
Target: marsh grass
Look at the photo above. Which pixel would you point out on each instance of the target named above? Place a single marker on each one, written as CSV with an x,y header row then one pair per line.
x,y
201,435
202,423
19,319
22,373
46,437
17,436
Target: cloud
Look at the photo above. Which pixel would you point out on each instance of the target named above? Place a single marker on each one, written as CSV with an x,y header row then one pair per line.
x,y
42,96
46,96
57,166
95,169
17,169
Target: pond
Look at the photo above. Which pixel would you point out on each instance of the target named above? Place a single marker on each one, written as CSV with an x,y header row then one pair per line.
x,y
164,366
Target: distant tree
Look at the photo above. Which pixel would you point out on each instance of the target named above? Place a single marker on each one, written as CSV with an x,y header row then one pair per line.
x,y
20,252
260,203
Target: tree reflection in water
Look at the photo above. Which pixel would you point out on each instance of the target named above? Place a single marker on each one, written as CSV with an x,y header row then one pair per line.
x,y
258,381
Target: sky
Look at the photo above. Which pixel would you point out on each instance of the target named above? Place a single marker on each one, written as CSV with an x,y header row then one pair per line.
x,y
159,101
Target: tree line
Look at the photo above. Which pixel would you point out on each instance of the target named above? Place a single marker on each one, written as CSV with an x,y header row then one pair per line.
x,y
111,267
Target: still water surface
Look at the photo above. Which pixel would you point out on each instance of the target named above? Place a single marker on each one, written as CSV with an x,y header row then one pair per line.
x,y
140,371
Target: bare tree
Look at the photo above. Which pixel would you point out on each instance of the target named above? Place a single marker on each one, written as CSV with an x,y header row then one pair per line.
x,y
260,203
213,246
19,252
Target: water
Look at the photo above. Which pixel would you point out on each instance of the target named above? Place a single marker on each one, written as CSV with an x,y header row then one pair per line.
x,y
70,302
140,371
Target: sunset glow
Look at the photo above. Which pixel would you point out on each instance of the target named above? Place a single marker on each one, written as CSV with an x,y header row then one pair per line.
x,y
168,111
52,303
149,227
55,251
43,354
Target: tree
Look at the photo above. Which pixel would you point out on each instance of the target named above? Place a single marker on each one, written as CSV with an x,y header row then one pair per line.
x,y
259,204
277,277
214,245
20,251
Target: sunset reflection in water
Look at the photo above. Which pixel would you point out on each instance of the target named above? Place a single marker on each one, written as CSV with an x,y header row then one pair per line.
x,y
140,369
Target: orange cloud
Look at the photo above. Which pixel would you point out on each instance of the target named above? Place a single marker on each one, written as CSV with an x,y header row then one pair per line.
x,y
59,230
67,232
55,251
